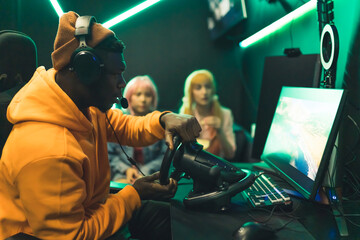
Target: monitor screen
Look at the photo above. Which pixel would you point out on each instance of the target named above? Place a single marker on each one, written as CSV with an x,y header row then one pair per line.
x,y
302,135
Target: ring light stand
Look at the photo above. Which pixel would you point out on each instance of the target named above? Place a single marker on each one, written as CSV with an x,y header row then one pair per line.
x,y
329,51
215,180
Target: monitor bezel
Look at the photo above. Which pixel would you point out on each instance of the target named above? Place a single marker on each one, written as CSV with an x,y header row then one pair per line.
x,y
311,193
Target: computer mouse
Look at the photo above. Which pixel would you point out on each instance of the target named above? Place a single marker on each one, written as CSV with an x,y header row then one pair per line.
x,y
254,231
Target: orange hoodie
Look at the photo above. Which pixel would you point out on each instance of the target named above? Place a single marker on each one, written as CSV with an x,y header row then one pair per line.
x,y
54,170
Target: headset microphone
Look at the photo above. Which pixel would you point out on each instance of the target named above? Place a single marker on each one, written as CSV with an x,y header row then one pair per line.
x,y
124,102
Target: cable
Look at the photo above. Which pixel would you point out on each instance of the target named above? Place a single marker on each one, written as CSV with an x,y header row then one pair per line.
x,y
292,22
283,226
132,161
290,214
267,218
349,177
352,215
291,34
353,223
272,213
357,141
352,180
260,173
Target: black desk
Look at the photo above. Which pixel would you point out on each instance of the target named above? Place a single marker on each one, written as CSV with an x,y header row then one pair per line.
x,y
308,220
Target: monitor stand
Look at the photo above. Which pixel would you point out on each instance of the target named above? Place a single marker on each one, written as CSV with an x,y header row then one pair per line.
x,y
331,193
337,209
333,197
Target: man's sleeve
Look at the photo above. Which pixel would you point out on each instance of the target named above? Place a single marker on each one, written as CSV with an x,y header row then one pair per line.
x,y
135,131
53,196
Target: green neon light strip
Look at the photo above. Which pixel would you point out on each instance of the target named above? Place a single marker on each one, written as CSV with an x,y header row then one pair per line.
x,y
129,13
307,7
116,20
57,7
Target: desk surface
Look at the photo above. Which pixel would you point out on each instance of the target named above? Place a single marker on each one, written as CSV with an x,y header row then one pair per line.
x,y
308,220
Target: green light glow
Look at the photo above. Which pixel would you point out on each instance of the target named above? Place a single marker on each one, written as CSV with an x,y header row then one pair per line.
x,y
116,20
129,13
307,7
57,7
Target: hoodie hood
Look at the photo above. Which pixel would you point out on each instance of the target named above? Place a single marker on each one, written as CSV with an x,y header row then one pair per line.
x,y
42,100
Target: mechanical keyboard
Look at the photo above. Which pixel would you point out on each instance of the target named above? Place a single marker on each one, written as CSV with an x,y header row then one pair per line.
x,y
265,193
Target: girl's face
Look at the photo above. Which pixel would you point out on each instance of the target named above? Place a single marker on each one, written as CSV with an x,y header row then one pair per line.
x,y
141,101
202,93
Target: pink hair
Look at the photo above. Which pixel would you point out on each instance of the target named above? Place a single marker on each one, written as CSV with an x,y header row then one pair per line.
x,y
138,82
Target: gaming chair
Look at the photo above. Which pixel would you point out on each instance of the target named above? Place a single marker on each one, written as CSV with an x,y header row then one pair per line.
x,y
18,62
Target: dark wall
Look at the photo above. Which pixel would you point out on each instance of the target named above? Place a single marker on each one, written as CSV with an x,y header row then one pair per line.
x,y
171,39
168,41
36,18
301,33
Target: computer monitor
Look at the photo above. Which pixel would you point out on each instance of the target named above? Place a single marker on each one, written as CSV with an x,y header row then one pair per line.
x,y
302,135
279,71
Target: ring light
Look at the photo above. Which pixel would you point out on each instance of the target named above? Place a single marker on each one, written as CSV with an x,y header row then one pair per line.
x,y
329,41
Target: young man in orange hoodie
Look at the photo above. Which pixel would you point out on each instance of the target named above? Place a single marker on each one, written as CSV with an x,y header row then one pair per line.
x,y
54,170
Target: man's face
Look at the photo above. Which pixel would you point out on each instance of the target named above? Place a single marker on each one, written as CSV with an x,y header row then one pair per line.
x,y
105,92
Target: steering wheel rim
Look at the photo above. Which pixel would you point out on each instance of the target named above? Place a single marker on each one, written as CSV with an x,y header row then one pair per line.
x,y
165,165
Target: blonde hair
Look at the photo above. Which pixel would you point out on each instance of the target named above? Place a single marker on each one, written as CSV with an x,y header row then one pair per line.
x,y
199,76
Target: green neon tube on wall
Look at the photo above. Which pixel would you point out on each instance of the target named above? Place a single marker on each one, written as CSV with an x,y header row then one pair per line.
x,y
307,7
119,18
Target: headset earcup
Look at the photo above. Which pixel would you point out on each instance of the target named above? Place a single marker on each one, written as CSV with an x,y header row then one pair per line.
x,y
86,65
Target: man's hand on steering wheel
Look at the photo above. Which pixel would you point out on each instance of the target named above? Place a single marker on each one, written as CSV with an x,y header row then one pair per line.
x,y
186,126
148,187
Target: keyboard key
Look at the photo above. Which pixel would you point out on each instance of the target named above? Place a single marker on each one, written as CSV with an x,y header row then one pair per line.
x,y
267,194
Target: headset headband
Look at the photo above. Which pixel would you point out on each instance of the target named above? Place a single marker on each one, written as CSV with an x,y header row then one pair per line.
x,y
84,61
83,29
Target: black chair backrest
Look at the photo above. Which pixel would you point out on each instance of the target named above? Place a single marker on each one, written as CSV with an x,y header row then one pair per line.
x,y
243,142
18,62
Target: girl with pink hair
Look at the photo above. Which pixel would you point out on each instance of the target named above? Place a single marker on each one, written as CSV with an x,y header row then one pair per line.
x,y
141,93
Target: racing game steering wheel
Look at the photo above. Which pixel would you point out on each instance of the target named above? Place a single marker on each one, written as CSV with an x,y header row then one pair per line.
x,y
215,180
166,163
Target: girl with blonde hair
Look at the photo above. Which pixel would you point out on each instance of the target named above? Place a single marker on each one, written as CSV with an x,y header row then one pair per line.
x,y
201,101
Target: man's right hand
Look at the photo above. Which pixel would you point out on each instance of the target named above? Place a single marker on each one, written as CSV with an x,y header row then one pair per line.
x,y
184,125
148,187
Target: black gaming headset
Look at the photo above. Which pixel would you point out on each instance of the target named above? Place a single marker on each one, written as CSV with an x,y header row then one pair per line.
x,y
84,62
